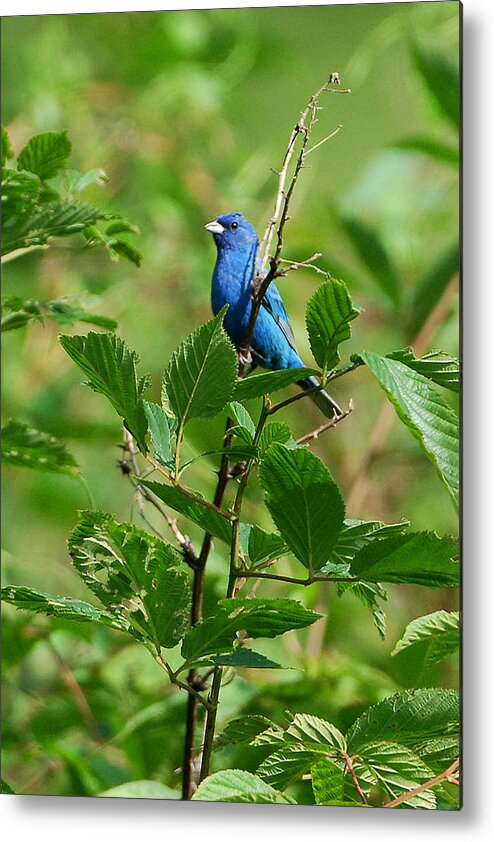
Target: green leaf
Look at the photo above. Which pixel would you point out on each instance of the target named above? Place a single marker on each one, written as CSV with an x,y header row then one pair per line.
x,y
200,377
243,730
288,764
409,717
355,534
238,786
264,546
268,382
245,658
55,219
62,310
441,77
20,191
436,366
304,502
141,789
371,251
424,412
121,226
394,769
112,371
5,789
75,182
420,558
159,430
312,730
205,517
272,432
243,419
124,249
257,617
439,633
327,782
328,316
23,445
430,146
439,752
45,154
59,606
137,577
7,151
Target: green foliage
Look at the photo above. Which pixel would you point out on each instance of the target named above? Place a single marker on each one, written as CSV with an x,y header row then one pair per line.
x,y
328,316
34,209
141,789
64,311
112,371
421,558
137,578
58,606
22,445
424,412
268,382
436,635
239,786
441,79
388,748
436,366
373,254
194,508
200,377
159,430
304,502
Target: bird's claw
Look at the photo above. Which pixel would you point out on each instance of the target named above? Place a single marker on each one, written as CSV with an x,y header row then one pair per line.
x,y
245,358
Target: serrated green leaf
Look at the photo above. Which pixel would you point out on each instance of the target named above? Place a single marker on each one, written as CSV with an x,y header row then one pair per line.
x,y
272,432
437,366
439,632
441,77
245,658
428,417
408,717
312,730
264,546
141,789
59,606
288,764
420,558
328,316
304,502
238,786
355,534
200,377
439,752
257,617
137,577
55,219
371,251
431,286
243,419
159,430
45,154
243,730
62,310
205,517
268,382
327,782
430,146
23,445
112,371
395,769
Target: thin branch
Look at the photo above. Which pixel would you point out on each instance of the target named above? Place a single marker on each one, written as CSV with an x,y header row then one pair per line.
x,y
190,494
443,776
329,424
250,574
349,765
324,140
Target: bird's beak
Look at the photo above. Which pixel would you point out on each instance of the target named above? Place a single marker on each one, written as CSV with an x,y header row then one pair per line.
x,y
215,227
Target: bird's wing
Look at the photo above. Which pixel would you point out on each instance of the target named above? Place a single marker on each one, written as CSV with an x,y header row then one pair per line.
x,y
273,303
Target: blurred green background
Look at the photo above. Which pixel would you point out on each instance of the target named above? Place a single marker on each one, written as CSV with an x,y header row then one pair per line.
x,y
188,112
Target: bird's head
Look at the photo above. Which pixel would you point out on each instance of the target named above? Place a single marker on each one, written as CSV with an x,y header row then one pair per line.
x,y
232,231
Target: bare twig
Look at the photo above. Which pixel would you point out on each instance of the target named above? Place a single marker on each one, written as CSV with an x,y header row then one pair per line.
x,y
279,218
349,765
334,421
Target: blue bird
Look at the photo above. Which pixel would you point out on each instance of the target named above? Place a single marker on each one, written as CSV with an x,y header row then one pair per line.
x,y
273,345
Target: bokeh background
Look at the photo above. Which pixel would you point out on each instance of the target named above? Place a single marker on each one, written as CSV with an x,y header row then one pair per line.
x,y
189,113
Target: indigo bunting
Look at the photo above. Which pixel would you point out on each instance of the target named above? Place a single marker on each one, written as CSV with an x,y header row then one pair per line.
x,y
273,345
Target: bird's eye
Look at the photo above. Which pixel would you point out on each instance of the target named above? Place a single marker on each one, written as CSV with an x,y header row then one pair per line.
x,y
234,226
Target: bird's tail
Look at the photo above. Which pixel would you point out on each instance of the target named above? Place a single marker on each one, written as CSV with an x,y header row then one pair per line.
x,y
321,398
